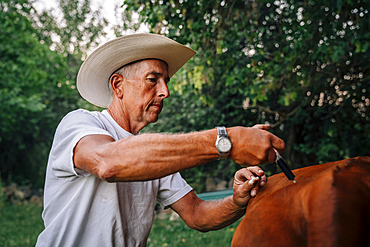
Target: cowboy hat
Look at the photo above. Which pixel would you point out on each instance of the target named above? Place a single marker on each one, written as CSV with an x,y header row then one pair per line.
x,y
93,76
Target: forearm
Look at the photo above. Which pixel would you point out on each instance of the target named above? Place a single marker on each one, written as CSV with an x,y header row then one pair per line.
x,y
214,215
151,156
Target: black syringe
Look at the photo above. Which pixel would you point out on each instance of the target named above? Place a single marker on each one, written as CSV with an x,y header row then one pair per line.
x,y
283,166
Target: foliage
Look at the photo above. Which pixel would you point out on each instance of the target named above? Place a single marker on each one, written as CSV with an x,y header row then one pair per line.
x,y
20,225
73,32
76,31
299,65
32,94
37,84
177,233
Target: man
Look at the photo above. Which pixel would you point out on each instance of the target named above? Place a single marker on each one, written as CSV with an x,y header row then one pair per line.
x,y
103,180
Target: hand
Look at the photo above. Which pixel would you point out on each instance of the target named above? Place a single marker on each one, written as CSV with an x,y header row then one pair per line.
x,y
254,146
246,184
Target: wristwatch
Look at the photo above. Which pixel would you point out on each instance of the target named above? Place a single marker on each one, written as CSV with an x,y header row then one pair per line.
x,y
223,143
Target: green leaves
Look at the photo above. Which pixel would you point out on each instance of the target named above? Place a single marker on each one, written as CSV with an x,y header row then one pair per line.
x,y
298,65
37,85
74,32
301,66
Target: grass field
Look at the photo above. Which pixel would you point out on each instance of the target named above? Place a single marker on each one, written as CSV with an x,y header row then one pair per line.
x,y
21,224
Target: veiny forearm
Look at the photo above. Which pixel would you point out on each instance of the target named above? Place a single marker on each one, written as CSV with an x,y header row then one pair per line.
x,y
151,156
214,215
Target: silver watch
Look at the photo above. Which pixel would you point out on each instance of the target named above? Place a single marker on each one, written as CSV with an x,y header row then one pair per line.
x,y
223,143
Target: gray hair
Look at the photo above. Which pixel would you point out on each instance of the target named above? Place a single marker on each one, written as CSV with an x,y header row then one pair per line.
x,y
127,71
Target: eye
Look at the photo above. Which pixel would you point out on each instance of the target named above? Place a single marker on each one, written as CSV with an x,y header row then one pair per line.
x,y
154,80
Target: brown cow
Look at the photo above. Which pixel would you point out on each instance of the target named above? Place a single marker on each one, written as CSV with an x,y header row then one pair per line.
x,y
328,206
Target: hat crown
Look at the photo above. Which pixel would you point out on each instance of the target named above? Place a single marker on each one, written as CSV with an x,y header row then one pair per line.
x,y
93,76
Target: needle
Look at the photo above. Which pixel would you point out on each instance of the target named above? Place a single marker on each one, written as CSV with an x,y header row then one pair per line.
x,y
283,166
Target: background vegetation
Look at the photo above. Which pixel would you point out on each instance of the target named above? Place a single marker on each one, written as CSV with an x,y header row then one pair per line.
x,y
21,224
302,66
37,81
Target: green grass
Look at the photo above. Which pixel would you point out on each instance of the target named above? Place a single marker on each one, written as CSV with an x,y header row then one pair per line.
x,y
177,233
21,224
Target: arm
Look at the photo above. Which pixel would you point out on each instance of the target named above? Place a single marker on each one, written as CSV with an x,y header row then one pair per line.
x,y
151,156
212,215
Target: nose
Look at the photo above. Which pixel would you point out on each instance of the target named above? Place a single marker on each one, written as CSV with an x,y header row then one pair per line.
x,y
163,91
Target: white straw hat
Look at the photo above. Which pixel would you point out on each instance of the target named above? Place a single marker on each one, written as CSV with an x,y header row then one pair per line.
x,y
93,76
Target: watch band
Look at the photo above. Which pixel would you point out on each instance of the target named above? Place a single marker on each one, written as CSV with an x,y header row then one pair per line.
x,y
222,133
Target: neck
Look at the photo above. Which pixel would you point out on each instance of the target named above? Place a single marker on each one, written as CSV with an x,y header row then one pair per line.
x,y
119,114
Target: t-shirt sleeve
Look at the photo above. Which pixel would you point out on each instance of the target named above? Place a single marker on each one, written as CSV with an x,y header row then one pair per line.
x,y
73,127
171,189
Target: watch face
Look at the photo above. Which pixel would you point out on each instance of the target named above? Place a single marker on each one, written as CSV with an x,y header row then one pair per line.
x,y
224,145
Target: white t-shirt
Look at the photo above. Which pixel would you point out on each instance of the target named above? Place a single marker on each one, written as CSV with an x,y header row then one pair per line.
x,y
82,210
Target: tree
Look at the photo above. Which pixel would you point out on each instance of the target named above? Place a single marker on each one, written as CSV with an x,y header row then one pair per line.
x,y
37,84
32,82
299,65
73,31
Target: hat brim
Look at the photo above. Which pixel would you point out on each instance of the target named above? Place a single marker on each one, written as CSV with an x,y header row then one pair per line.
x,y
93,76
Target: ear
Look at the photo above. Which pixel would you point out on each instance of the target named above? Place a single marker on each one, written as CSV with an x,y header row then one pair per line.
x,y
116,82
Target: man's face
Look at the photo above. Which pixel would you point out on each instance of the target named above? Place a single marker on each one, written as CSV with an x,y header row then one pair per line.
x,y
144,91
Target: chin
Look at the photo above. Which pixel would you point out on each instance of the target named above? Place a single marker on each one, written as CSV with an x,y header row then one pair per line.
x,y
153,119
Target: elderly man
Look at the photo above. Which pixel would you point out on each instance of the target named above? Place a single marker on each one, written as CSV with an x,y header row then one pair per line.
x,y
103,180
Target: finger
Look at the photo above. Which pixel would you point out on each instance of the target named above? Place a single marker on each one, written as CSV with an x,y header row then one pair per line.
x,y
243,175
263,180
254,192
256,170
250,187
271,155
278,144
254,179
254,182
252,175
246,177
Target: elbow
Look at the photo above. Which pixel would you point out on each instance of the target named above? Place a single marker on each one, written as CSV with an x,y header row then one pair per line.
x,y
108,174
106,170
111,173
